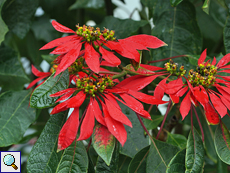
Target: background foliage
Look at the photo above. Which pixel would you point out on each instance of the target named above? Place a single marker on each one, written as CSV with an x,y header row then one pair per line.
x,y
187,26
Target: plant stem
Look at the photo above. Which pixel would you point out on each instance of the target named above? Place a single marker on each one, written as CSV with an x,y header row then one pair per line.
x,y
89,73
142,124
119,75
209,127
108,72
167,59
201,129
120,67
150,108
191,120
89,144
163,122
73,153
83,115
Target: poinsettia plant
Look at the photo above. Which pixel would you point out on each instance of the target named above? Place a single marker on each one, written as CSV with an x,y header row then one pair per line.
x,y
115,95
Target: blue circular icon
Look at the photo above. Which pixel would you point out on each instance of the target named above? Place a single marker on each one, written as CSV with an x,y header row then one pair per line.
x,y
8,159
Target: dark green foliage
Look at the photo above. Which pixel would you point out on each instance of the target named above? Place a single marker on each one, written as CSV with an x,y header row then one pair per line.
x,y
15,116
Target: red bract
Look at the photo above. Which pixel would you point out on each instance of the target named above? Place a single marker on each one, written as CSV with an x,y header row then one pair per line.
x,y
103,107
39,74
75,68
69,47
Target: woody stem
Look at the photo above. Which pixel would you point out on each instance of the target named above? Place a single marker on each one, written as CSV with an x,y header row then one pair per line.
x,y
167,58
163,122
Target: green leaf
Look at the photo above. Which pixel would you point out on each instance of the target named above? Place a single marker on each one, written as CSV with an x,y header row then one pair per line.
x,y
49,58
177,140
177,164
124,163
227,35
59,10
3,26
91,165
227,2
149,3
208,26
15,116
135,136
218,11
177,27
40,97
101,166
222,142
44,156
24,46
194,160
17,15
123,28
159,156
12,75
103,143
138,163
31,51
205,6
209,140
74,159
43,30
88,4
193,59
152,124
221,166
174,3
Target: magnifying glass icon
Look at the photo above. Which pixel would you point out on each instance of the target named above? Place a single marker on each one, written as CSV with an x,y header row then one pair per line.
x,y
9,160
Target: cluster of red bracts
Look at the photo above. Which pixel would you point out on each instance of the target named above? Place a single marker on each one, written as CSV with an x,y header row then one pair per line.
x,y
214,103
103,92
93,46
104,108
69,48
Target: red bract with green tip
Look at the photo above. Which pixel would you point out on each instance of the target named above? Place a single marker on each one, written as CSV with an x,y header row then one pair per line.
x,y
93,39
103,106
103,142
